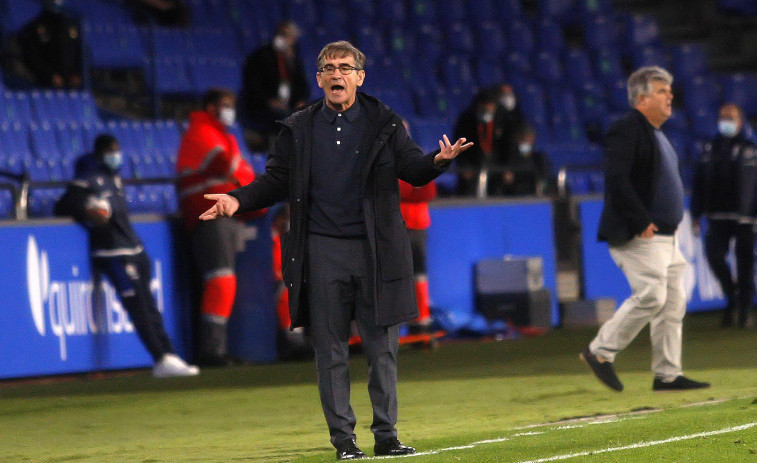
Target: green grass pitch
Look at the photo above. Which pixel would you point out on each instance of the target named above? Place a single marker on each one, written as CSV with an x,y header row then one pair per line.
x,y
525,400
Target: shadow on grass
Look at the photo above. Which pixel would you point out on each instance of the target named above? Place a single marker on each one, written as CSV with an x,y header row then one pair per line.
x,y
555,353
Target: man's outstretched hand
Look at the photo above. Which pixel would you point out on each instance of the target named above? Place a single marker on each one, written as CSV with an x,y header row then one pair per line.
x,y
225,206
448,151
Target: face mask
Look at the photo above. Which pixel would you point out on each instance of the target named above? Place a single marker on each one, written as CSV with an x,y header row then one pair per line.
x,y
113,160
227,116
508,101
486,117
524,148
727,128
279,43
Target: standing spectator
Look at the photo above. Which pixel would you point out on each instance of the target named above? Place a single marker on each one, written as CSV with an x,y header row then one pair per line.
x,y
528,171
725,185
95,198
414,208
509,115
482,168
209,161
642,209
274,82
51,47
347,255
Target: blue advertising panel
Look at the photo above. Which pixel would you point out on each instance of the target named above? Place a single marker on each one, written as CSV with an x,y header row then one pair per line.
x,y
463,233
603,279
49,323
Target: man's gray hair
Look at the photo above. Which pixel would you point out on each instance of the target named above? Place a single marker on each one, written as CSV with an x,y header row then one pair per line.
x,y
640,82
341,49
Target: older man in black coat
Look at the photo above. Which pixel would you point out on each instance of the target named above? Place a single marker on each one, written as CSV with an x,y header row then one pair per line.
x,y
347,255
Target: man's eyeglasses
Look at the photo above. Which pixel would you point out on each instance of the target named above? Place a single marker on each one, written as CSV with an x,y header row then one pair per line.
x,y
344,69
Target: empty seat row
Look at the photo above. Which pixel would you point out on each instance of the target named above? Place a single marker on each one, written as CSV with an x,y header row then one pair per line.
x,y
47,106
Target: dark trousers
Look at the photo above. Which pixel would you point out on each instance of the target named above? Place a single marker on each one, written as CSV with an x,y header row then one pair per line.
x,y
341,289
130,275
719,234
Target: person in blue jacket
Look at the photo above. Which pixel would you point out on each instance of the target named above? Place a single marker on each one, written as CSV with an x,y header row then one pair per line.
x,y
95,199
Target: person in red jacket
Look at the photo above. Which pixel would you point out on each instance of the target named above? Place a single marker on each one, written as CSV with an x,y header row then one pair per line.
x,y
414,207
210,161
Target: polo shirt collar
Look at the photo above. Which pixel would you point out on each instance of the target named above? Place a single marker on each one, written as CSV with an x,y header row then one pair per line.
x,y
351,114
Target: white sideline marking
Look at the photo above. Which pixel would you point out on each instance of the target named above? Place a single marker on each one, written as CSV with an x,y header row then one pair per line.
x,y
637,445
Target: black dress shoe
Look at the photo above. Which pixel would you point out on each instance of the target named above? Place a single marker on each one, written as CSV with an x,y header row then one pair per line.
x,y
348,450
681,383
603,370
391,447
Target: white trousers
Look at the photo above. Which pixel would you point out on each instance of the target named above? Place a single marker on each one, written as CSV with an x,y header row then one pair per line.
x,y
654,268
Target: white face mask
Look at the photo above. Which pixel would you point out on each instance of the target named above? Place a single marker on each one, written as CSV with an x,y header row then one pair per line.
x,y
508,101
113,159
227,116
486,117
525,148
279,43
727,128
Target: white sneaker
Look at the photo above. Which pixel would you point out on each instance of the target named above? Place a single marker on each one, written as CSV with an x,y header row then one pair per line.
x,y
171,365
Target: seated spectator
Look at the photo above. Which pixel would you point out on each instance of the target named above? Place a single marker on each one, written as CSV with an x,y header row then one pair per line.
x,y
162,12
528,171
273,84
482,167
51,47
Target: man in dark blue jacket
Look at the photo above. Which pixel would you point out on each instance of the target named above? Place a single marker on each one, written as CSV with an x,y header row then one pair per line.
x,y
643,206
725,185
347,254
95,199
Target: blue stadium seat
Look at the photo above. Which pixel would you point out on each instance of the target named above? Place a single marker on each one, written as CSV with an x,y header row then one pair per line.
x,y
641,31
14,140
490,72
371,42
547,68
214,42
115,46
18,13
209,12
401,42
400,100
491,40
42,201
745,7
593,103
508,10
170,201
15,107
689,60
171,76
427,133
390,11
460,39
520,37
169,135
608,65
518,61
205,73
704,124
37,170
81,106
50,106
105,12
651,55
534,106
457,73
428,102
550,36
618,95
579,182
556,8
90,131
678,121
171,42
589,8
600,32
702,92
578,67
6,203
42,141
258,161
424,12
481,11
741,88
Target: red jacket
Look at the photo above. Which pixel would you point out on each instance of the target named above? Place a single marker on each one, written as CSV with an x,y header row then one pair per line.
x,y
209,161
414,204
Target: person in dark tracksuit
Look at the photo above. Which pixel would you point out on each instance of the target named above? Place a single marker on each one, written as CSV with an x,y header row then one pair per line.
x,y
95,199
725,185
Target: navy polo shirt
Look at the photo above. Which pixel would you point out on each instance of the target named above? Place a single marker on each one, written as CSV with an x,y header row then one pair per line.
x,y
336,207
